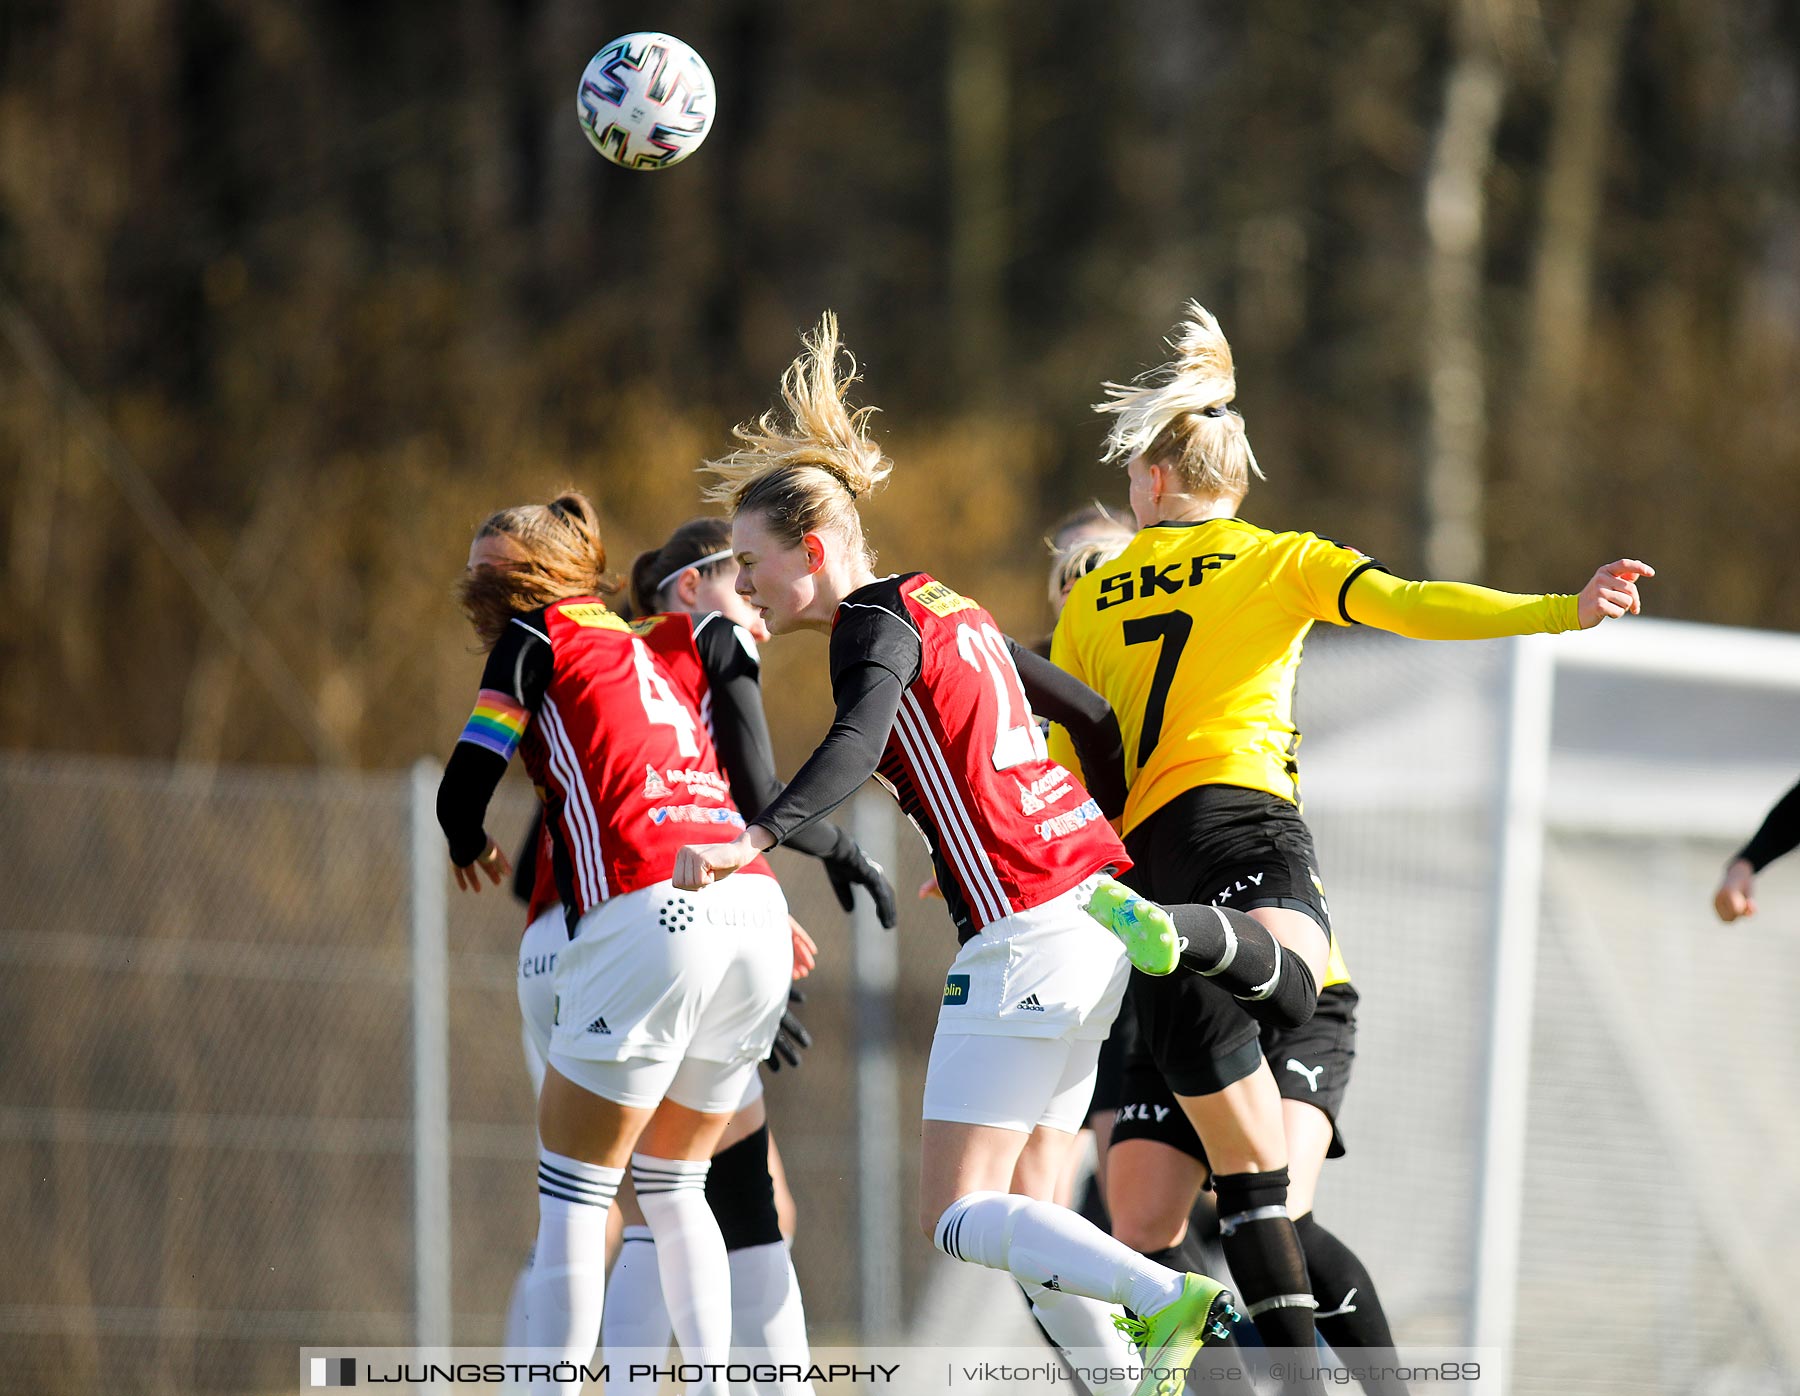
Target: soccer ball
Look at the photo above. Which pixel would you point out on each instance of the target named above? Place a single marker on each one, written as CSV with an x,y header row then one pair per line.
x,y
646,101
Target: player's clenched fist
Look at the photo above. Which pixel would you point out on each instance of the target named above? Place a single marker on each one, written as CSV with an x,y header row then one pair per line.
x,y
1611,592
700,865
1737,891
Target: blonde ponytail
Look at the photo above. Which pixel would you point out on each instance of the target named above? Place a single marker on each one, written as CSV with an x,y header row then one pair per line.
x,y
805,471
1175,415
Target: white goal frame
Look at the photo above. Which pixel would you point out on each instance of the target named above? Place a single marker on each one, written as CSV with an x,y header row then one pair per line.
x,y
1675,650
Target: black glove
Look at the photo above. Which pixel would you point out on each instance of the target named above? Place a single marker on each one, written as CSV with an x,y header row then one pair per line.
x,y
791,1038
853,868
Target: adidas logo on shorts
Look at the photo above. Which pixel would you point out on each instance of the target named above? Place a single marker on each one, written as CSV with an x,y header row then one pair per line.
x,y
1030,1004
599,1026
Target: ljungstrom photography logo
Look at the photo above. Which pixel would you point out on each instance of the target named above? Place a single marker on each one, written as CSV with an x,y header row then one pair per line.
x,y
333,1371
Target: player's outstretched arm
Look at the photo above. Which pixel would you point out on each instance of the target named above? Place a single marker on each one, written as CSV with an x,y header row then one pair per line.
x,y
1086,716
512,689
1462,611
700,865
741,735
868,704
1779,834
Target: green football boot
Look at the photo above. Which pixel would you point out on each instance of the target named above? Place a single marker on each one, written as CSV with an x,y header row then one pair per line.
x,y
1169,1338
1147,931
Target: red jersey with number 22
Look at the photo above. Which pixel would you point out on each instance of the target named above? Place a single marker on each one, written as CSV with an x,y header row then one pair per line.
x,y
967,762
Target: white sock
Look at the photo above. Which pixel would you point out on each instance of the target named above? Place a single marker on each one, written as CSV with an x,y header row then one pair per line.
x,y
696,1277
636,1317
567,1288
515,1308
766,1311
1039,1242
1083,1329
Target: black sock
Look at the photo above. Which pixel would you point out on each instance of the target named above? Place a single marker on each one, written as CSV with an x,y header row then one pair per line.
x,y
1270,1269
741,1193
1182,1257
1349,1314
1203,1234
1239,953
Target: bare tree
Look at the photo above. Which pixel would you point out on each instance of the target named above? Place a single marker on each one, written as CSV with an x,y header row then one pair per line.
x,y
978,101
212,690
1455,222
1563,269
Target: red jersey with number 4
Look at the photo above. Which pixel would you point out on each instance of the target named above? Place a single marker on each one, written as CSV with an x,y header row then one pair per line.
x,y
620,754
968,764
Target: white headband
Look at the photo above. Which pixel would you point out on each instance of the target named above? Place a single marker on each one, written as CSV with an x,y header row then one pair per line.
x,y
697,562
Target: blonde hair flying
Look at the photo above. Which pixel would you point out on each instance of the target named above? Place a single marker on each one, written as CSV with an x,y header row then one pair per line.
x,y
804,470
1175,415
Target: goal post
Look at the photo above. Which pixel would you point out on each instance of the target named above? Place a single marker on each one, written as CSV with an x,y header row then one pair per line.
x,y
1533,799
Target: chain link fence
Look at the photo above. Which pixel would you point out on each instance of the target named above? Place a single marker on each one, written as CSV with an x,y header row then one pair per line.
x,y
207,1078
207,1070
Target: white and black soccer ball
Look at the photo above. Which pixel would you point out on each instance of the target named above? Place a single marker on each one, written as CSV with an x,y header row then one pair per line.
x,y
646,101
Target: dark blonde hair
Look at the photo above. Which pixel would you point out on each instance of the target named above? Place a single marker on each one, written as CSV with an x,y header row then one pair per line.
x,y
657,569
804,473
1073,563
1175,415
1092,518
563,557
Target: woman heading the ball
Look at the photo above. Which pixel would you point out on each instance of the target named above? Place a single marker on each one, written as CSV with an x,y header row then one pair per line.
x,y
933,699
693,574
1193,634
664,1002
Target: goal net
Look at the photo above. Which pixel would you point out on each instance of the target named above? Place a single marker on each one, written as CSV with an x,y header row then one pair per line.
x,y
1570,1125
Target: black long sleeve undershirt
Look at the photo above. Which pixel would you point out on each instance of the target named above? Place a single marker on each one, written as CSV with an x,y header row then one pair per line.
x,y
471,776
868,703
1780,833
1089,719
519,665
741,736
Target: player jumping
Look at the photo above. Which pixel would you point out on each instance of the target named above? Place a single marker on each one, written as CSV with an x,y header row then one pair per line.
x,y
665,1001
933,699
1194,634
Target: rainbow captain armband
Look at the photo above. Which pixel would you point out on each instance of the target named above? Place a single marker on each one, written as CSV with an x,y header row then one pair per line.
x,y
497,723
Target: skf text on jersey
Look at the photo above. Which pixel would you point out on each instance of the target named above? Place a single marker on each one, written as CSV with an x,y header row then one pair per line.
x,y
1121,587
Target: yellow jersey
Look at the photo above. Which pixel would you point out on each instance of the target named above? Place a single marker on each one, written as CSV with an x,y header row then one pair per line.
x,y
1194,633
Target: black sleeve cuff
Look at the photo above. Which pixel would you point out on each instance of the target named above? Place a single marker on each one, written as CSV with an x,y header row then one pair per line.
x,y
1369,565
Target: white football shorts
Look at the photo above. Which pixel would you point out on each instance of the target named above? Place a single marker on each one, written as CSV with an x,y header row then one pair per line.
x,y
1027,1003
539,948
663,992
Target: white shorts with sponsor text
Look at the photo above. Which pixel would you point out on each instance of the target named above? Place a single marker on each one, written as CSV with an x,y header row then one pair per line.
x,y
663,975
1051,971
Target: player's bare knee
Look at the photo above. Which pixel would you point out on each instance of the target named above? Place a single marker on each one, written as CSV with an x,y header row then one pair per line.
x,y
1151,1230
932,1207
